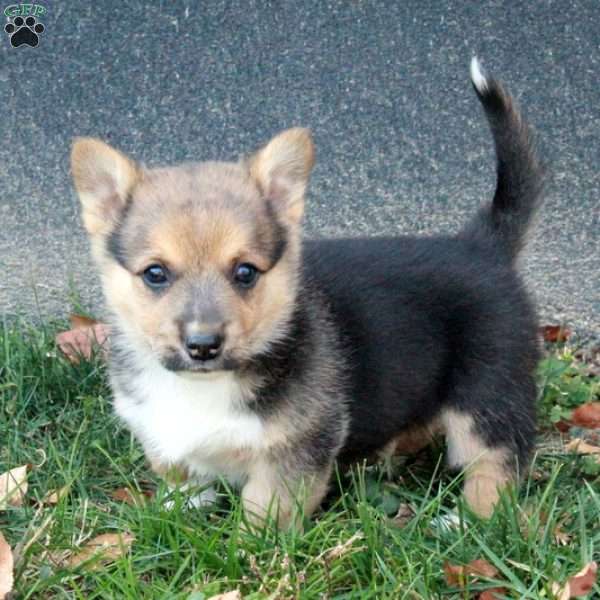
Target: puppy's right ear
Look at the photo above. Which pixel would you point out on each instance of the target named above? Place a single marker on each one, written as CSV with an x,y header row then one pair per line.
x,y
104,179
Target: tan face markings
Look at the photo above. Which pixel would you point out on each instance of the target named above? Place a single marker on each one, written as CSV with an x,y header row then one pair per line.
x,y
213,241
199,221
200,247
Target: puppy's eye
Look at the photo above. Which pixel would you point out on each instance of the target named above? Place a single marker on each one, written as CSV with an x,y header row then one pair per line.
x,y
245,275
156,276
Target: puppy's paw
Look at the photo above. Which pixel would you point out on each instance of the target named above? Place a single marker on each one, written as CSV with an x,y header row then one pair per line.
x,y
204,499
447,522
482,492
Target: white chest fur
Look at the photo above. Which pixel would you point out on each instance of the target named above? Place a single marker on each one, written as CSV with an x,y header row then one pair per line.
x,y
196,421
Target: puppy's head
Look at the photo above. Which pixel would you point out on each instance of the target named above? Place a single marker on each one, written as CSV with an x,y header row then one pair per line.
x,y
199,262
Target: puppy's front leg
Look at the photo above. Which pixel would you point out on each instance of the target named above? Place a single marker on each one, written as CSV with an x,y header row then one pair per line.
x,y
275,490
178,477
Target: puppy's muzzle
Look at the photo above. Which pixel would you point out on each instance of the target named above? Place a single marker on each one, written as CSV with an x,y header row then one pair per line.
x,y
204,346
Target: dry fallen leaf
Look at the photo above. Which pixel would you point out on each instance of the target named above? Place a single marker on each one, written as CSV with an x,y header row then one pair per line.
x,y
578,585
106,547
561,537
457,574
6,568
81,321
578,446
79,342
124,495
403,516
481,567
555,333
581,583
129,496
341,549
587,415
491,594
454,574
13,487
563,426
53,496
531,517
235,595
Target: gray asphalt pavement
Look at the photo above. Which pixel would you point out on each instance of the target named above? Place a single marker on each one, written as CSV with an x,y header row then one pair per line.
x,y
402,143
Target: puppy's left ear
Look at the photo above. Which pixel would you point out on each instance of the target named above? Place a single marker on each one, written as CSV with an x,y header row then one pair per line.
x,y
282,169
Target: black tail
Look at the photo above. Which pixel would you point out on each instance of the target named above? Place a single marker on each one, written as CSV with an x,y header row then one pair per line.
x,y
520,174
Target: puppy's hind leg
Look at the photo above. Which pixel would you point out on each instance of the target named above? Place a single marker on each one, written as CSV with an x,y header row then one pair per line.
x,y
491,445
485,467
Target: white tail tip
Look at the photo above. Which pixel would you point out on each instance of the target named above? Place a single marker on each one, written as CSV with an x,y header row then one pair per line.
x,y
477,76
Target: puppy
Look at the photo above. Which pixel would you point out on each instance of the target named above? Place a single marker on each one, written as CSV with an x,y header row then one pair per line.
x,y
240,351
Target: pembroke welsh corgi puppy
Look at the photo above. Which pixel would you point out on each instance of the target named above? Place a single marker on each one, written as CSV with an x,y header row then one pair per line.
x,y
240,350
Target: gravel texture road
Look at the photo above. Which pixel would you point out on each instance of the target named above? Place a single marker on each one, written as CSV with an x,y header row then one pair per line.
x,y
402,142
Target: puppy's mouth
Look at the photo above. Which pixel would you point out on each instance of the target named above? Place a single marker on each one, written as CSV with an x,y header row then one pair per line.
x,y
178,363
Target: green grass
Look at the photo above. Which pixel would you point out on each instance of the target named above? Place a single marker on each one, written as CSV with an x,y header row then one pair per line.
x,y
57,417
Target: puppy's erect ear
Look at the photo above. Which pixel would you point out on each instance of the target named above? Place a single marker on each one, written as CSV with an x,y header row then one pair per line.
x,y
282,168
103,178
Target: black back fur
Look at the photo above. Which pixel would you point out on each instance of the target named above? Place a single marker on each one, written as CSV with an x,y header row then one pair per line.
x,y
428,323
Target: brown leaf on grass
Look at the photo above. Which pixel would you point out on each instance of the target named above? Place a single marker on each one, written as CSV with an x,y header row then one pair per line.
x,y
581,583
454,574
124,495
129,496
457,574
563,426
403,516
105,548
578,585
555,333
234,595
561,537
587,415
481,567
53,496
532,517
13,487
81,321
491,594
578,446
79,342
342,548
6,568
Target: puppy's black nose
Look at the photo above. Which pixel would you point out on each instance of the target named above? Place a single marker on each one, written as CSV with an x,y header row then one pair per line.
x,y
204,346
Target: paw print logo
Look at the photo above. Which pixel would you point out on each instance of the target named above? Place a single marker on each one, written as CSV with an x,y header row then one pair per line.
x,y
24,31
